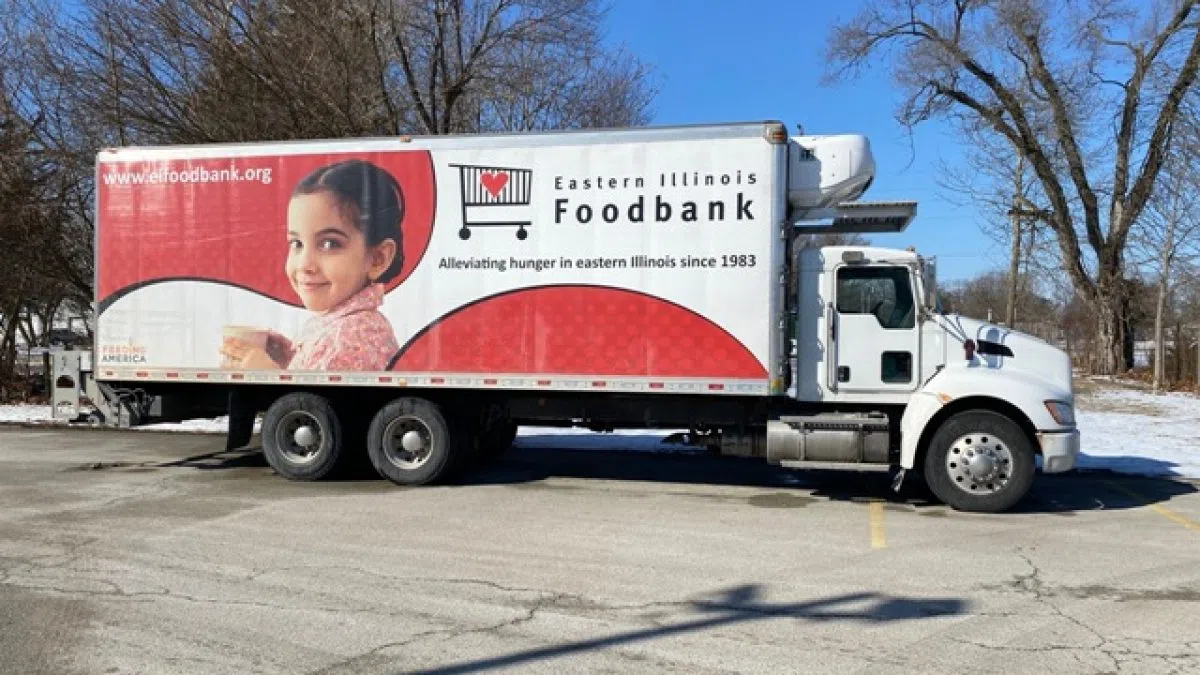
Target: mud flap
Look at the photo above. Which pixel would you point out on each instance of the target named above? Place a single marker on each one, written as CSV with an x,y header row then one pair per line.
x,y
242,412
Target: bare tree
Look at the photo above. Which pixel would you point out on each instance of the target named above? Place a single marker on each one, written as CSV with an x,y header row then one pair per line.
x,y
1038,74
468,65
33,278
195,71
116,72
988,294
999,183
1169,231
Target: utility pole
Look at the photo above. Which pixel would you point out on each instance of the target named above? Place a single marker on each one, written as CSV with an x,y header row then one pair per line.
x,y
1014,264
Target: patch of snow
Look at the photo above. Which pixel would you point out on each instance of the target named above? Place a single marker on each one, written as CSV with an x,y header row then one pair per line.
x,y
1155,435
41,415
28,414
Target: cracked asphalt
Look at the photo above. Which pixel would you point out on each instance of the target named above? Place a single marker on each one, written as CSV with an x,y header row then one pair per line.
x,y
137,552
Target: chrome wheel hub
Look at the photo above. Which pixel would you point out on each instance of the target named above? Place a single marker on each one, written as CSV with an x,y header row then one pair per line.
x,y
407,443
299,437
979,463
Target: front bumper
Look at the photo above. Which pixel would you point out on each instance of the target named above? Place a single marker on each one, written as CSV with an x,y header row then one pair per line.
x,y
1060,450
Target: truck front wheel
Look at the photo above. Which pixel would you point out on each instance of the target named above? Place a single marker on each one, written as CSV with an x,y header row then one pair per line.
x,y
410,442
302,436
979,461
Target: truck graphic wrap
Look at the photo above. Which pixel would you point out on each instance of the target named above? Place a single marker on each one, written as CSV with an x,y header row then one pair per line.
x,y
568,260
423,299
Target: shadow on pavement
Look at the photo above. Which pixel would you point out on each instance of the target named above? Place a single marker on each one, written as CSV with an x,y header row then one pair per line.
x,y
1058,494
736,605
569,456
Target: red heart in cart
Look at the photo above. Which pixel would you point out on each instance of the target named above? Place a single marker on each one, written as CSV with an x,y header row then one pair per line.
x,y
494,182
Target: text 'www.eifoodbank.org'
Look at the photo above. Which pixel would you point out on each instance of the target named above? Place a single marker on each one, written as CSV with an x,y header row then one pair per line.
x,y
192,175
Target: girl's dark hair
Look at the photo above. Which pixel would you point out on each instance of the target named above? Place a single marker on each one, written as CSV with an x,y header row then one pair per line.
x,y
372,195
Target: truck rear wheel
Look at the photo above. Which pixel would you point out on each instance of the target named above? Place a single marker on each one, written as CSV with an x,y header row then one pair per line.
x,y
410,443
302,436
979,461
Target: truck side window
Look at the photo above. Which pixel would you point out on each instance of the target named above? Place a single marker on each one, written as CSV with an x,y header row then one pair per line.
x,y
885,292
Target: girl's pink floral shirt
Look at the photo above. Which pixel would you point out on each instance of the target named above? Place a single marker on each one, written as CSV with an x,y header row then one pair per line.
x,y
351,336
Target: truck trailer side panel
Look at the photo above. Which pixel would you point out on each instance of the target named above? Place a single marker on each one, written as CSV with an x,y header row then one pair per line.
x,y
635,261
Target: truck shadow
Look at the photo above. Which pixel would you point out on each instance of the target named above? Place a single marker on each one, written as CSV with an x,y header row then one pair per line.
x,y
569,456
736,605
1063,495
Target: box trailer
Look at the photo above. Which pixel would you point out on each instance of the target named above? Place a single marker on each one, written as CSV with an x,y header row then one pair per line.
x,y
419,298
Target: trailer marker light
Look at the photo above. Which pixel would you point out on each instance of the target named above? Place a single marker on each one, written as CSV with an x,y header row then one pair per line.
x,y
775,134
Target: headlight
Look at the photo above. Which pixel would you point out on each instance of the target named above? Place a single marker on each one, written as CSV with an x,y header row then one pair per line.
x,y
1062,412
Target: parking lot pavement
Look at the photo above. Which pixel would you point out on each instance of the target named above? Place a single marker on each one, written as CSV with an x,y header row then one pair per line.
x,y
134,552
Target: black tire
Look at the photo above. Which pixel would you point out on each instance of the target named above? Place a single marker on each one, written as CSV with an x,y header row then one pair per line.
x,y
967,485
284,454
439,450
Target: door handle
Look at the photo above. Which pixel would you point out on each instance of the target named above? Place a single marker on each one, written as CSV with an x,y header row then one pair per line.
x,y
843,373
830,347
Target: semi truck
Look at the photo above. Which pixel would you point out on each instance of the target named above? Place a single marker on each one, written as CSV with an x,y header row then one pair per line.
x,y
418,299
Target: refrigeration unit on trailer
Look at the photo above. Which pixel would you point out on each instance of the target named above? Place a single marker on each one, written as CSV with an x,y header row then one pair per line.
x,y
422,297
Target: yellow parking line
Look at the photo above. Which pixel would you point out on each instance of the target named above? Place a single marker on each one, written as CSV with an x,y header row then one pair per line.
x,y
1160,510
878,534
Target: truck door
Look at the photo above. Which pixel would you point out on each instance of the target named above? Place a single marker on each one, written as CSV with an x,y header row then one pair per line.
x,y
874,329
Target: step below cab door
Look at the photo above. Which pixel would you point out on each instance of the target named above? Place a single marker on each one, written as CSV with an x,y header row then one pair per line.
x,y
874,329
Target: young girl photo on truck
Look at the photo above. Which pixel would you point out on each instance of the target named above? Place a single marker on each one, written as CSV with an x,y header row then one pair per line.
x,y
344,244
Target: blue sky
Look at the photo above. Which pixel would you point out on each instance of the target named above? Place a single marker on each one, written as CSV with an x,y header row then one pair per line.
x,y
721,61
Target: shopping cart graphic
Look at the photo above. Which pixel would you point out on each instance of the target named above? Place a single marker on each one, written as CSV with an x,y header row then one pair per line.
x,y
494,196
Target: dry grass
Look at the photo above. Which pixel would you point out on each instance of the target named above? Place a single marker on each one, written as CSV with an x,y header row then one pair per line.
x,y
1090,390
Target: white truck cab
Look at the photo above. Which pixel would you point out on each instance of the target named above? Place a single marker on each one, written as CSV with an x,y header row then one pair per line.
x,y
978,400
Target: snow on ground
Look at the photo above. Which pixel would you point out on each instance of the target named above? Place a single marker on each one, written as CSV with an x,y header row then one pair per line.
x,y
1126,430
24,413
40,415
1137,432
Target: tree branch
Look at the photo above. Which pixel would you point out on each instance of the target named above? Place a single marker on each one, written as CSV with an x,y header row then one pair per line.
x,y
380,64
398,29
1060,216
1135,201
1066,133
